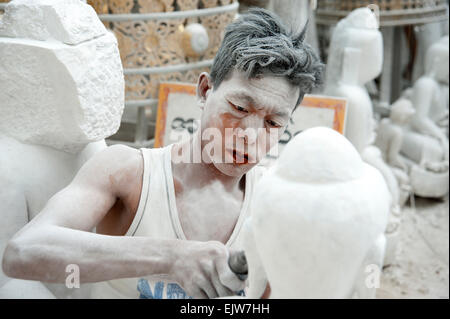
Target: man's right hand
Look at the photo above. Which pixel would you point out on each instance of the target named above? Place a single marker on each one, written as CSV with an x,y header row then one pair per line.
x,y
202,269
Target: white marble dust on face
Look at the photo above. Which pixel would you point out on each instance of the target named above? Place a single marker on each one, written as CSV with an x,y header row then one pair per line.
x,y
243,104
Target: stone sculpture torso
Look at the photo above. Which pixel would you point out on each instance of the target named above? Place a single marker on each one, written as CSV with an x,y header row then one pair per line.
x,y
61,87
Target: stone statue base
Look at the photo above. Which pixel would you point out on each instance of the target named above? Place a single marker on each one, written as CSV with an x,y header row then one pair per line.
x,y
429,184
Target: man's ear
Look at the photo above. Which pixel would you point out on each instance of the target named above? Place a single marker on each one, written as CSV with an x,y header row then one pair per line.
x,y
204,85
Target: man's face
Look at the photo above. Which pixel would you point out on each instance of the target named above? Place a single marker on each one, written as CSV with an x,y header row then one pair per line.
x,y
250,115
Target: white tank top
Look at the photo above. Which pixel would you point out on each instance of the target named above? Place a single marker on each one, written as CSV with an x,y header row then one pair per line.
x,y
157,217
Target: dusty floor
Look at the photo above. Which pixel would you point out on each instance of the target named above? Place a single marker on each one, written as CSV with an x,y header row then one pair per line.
x,y
421,269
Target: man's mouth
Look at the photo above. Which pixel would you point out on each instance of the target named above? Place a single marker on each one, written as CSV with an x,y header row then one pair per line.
x,y
240,158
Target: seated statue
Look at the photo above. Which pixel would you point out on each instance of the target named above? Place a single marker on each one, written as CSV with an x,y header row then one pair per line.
x,y
356,58
435,79
389,140
61,93
425,141
317,223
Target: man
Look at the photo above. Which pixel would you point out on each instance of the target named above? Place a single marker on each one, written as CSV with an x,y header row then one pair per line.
x,y
165,227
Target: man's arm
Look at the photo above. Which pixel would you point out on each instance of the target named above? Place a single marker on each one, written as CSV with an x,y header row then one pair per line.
x,y
60,235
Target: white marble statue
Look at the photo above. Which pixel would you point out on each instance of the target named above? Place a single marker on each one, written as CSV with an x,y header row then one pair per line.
x,y
317,224
61,94
389,140
427,34
356,58
390,134
425,143
297,13
431,102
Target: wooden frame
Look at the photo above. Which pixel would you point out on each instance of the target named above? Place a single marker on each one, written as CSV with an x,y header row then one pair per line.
x,y
165,89
339,105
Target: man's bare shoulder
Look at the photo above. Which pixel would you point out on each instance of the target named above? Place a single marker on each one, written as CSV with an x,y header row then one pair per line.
x,y
118,166
118,152
121,174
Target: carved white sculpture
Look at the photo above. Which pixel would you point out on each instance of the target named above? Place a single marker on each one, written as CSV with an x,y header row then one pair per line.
x,y
355,58
61,93
390,134
297,13
425,142
427,34
318,221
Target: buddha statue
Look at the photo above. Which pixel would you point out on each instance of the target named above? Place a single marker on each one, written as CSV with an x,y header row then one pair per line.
x,y
425,142
355,59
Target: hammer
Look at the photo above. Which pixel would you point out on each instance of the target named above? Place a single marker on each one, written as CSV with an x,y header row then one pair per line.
x,y
238,264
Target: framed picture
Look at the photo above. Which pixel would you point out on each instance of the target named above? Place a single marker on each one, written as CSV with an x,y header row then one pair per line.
x,y
319,110
315,110
178,113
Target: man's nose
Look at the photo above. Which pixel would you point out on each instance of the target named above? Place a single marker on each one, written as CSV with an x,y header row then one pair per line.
x,y
250,128
248,135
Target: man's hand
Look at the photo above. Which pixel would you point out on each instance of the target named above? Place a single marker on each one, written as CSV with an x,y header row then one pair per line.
x,y
202,269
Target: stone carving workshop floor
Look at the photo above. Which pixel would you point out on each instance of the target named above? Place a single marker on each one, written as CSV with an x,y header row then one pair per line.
x,y
421,269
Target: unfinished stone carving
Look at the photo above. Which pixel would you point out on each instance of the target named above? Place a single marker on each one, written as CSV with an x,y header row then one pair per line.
x,y
61,93
318,221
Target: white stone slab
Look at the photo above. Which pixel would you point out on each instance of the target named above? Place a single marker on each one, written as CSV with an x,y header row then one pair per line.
x,y
66,21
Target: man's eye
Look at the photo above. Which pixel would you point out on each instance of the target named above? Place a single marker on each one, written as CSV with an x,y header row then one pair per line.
x,y
272,123
239,108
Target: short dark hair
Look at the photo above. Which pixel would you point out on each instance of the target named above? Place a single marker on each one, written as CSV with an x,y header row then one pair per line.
x,y
259,43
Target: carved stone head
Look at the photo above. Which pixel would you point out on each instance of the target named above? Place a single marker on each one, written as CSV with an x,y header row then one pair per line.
x,y
359,30
315,215
402,111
